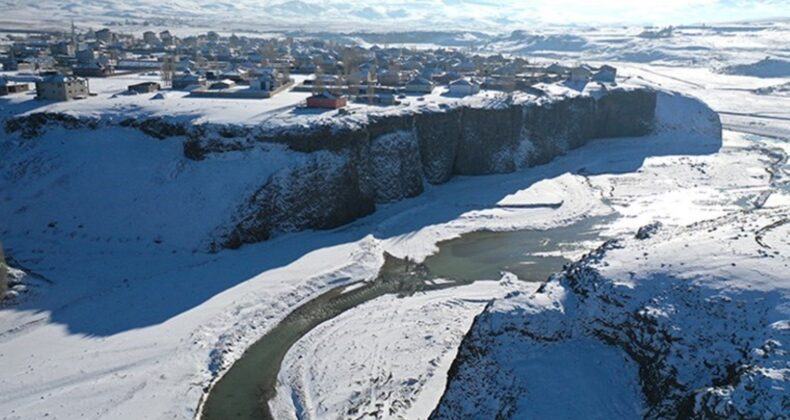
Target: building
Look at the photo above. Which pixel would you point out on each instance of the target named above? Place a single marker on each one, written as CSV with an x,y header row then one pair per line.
x,y
269,80
94,70
222,85
558,69
58,87
580,74
464,87
150,38
8,87
393,77
105,35
419,85
63,48
186,80
327,100
144,87
606,74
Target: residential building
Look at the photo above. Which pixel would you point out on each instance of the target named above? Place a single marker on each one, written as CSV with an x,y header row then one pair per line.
x,y
327,100
419,85
8,87
606,74
580,74
144,87
464,87
105,35
186,80
58,87
94,70
150,38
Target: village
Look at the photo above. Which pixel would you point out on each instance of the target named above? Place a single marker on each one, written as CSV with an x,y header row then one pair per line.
x,y
61,66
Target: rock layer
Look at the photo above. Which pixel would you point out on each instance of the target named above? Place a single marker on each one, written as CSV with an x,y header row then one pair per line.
x,y
347,168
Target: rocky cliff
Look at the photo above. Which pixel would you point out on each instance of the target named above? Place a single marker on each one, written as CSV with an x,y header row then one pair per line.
x,y
340,172
705,329
390,158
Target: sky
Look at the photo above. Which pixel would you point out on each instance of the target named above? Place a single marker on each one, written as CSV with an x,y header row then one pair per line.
x,y
652,11
489,15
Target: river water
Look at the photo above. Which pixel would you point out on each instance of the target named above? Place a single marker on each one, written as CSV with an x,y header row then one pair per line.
x,y
532,255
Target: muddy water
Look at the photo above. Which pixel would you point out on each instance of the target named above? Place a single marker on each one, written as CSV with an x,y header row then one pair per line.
x,y
532,255
243,392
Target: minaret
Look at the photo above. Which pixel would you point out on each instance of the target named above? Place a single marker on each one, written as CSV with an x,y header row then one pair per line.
x,y
73,36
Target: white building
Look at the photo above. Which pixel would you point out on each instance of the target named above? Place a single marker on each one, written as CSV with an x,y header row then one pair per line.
x,y
464,87
62,88
580,74
419,85
188,80
606,74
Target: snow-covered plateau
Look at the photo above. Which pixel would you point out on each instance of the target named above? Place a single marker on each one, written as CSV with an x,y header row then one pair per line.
x,y
117,214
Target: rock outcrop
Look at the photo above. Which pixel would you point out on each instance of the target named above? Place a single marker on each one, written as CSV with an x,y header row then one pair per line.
x,y
709,339
391,157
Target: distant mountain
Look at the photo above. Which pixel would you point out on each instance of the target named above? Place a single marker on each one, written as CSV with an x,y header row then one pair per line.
x,y
332,15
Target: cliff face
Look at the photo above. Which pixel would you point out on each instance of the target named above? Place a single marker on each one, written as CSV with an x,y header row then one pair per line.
x,y
705,338
346,170
391,158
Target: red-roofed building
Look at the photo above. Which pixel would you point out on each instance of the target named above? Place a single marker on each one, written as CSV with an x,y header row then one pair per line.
x,y
327,100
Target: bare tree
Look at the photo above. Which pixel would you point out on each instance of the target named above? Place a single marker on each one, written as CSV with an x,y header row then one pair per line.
x,y
168,70
338,85
318,83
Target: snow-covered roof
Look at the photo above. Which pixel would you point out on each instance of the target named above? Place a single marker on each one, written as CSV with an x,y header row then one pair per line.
x,y
324,95
420,81
462,82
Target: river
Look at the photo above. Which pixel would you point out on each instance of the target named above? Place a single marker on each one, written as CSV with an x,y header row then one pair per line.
x,y
532,255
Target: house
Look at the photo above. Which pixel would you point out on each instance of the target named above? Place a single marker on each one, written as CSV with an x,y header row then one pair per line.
x,y
236,75
223,84
58,87
269,80
580,74
150,38
185,80
86,56
62,48
606,74
144,87
419,85
464,87
327,100
94,70
386,99
465,67
393,77
105,35
8,87
558,69
265,82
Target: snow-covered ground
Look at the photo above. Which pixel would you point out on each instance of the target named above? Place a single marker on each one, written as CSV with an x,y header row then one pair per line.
x,y
136,324
701,310
398,369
